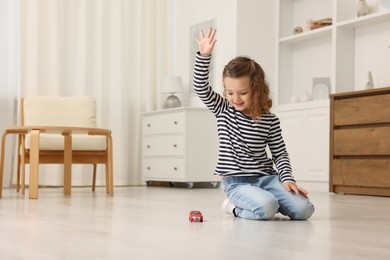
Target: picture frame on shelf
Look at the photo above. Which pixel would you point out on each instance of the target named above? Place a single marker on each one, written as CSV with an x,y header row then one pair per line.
x,y
194,33
385,3
321,88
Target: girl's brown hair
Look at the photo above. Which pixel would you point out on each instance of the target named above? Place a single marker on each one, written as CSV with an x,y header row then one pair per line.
x,y
246,67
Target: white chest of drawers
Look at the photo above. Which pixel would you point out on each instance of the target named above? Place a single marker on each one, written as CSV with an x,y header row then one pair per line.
x,y
179,145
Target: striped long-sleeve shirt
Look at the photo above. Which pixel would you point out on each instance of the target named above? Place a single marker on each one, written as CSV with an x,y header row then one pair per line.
x,y
242,140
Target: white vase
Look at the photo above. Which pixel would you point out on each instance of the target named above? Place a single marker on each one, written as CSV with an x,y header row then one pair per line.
x,y
361,8
370,82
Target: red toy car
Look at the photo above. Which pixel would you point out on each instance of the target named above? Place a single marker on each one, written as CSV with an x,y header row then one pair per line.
x,y
196,216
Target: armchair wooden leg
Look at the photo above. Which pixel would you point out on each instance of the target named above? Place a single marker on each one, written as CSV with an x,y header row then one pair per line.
x,y
107,177
23,164
107,165
18,166
34,164
67,163
111,167
18,180
94,177
2,163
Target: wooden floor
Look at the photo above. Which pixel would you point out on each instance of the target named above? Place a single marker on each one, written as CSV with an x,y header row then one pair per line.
x,y
152,223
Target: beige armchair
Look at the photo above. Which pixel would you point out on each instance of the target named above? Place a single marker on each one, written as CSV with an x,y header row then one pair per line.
x,y
59,130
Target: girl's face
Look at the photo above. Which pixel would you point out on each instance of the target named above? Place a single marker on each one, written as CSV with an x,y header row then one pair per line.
x,y
239,93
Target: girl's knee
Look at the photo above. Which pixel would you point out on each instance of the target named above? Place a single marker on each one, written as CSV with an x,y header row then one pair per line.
x,y
267,210
303,211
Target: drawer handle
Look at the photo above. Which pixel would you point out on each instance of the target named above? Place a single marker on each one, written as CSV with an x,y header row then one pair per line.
x,y
148,146
175,168
175,145
148,125
175,122
148,168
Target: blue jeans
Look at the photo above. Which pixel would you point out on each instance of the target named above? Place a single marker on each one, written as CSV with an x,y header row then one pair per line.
x,y
262,197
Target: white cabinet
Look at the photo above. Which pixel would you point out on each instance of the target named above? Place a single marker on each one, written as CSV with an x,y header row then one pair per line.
x,y
344,52
179,145
306,134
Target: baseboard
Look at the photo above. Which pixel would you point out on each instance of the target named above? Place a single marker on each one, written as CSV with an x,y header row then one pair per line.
x,y
314,185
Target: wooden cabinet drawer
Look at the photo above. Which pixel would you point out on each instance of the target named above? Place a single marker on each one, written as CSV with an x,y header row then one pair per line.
x,y
362,110
362,172
163,145
362,141
163,168
163,123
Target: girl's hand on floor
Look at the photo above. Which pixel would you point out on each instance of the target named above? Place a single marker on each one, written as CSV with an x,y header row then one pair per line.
x,y
292,186
206,44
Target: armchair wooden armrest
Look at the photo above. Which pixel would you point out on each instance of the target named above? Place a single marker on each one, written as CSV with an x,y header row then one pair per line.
x,y
67,132
58,129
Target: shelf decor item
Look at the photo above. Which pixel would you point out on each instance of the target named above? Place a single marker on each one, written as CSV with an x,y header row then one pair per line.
x,y
297,30
321,88
315,24
172,85
370,82
306,97
361,8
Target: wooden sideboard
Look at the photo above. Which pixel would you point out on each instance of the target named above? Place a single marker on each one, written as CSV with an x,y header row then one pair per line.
x,y
360,142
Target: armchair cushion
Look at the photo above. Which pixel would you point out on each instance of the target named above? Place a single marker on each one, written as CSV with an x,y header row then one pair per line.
x,y
59,111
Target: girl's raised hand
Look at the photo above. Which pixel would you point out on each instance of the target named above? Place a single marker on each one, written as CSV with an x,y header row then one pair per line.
x,y
206,44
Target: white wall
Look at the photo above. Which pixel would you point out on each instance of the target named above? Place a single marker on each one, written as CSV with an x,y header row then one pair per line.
x,y
189,13
244,27
372,53
256,33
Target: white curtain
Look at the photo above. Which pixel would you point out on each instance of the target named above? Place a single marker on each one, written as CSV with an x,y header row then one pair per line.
x,y
114,50
9,77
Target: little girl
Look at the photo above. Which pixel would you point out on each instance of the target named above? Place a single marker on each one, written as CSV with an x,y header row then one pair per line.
x,y
254,189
